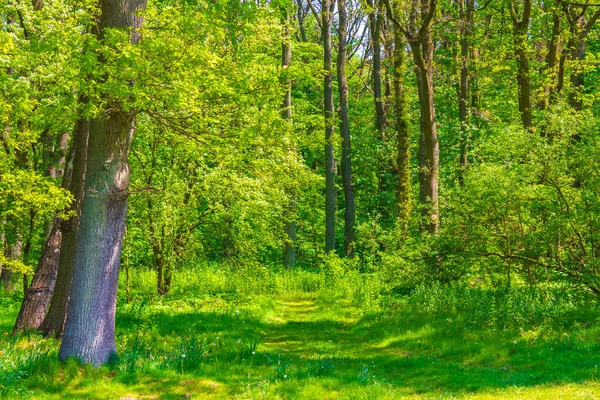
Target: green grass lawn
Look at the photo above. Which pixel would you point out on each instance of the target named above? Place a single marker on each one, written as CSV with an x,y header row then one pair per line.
x,y
224,340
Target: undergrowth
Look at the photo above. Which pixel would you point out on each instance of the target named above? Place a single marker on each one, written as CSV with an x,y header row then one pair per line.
x,y
255,334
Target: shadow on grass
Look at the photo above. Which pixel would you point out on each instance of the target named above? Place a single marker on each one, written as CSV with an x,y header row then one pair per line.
x,y
170,350
417,353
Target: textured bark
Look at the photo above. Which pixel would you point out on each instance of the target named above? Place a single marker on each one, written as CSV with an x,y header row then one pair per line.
x,y
552,61
289,247
520,31
464,95
376,29
375,26
402,134
418,35
37,297
429,155
330,172
90,327
346,162
38,294
579,29
54,321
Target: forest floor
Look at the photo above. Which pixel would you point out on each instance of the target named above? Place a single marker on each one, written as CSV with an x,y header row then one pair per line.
x,y
303,345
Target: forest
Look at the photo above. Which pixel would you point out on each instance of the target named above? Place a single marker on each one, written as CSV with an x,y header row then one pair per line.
x,y
299,199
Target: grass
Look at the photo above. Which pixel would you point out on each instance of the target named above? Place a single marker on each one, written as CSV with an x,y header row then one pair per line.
x,y
300,335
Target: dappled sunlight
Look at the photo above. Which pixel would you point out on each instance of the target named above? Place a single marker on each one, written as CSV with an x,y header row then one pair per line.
x,y
221,344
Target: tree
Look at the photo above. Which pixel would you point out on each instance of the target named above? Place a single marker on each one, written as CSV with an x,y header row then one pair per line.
x,y
327,7
520,39
346,162
289,247
89,331
418,34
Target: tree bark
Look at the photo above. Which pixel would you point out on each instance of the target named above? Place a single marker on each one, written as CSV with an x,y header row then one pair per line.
x,y
90,327
418,34
330,168
520,31
346,162
37,296
376,28
552,61
54,321
289,247
464,97
429,147
403,193
35,303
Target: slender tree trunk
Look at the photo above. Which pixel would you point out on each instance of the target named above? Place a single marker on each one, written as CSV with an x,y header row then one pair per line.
x,y
289,248
12,252
524,81
330,168
552,61
376,29
464,98
402,133
54,321
346,164
579,30
375,26
520,31
429,157
576,78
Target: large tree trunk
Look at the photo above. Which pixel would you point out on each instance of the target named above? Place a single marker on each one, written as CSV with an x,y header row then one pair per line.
x,y
330,189
54,321
346,163
90,327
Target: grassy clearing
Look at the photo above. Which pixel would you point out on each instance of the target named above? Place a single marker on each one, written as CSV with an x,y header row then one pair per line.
x,y
306,335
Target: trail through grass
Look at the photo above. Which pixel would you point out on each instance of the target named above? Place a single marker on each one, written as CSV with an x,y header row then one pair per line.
x,y
297,344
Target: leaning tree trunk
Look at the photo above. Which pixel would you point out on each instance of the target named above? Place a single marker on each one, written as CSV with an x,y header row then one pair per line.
x,y
54,321
346,162
330,190
37,297
90,328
